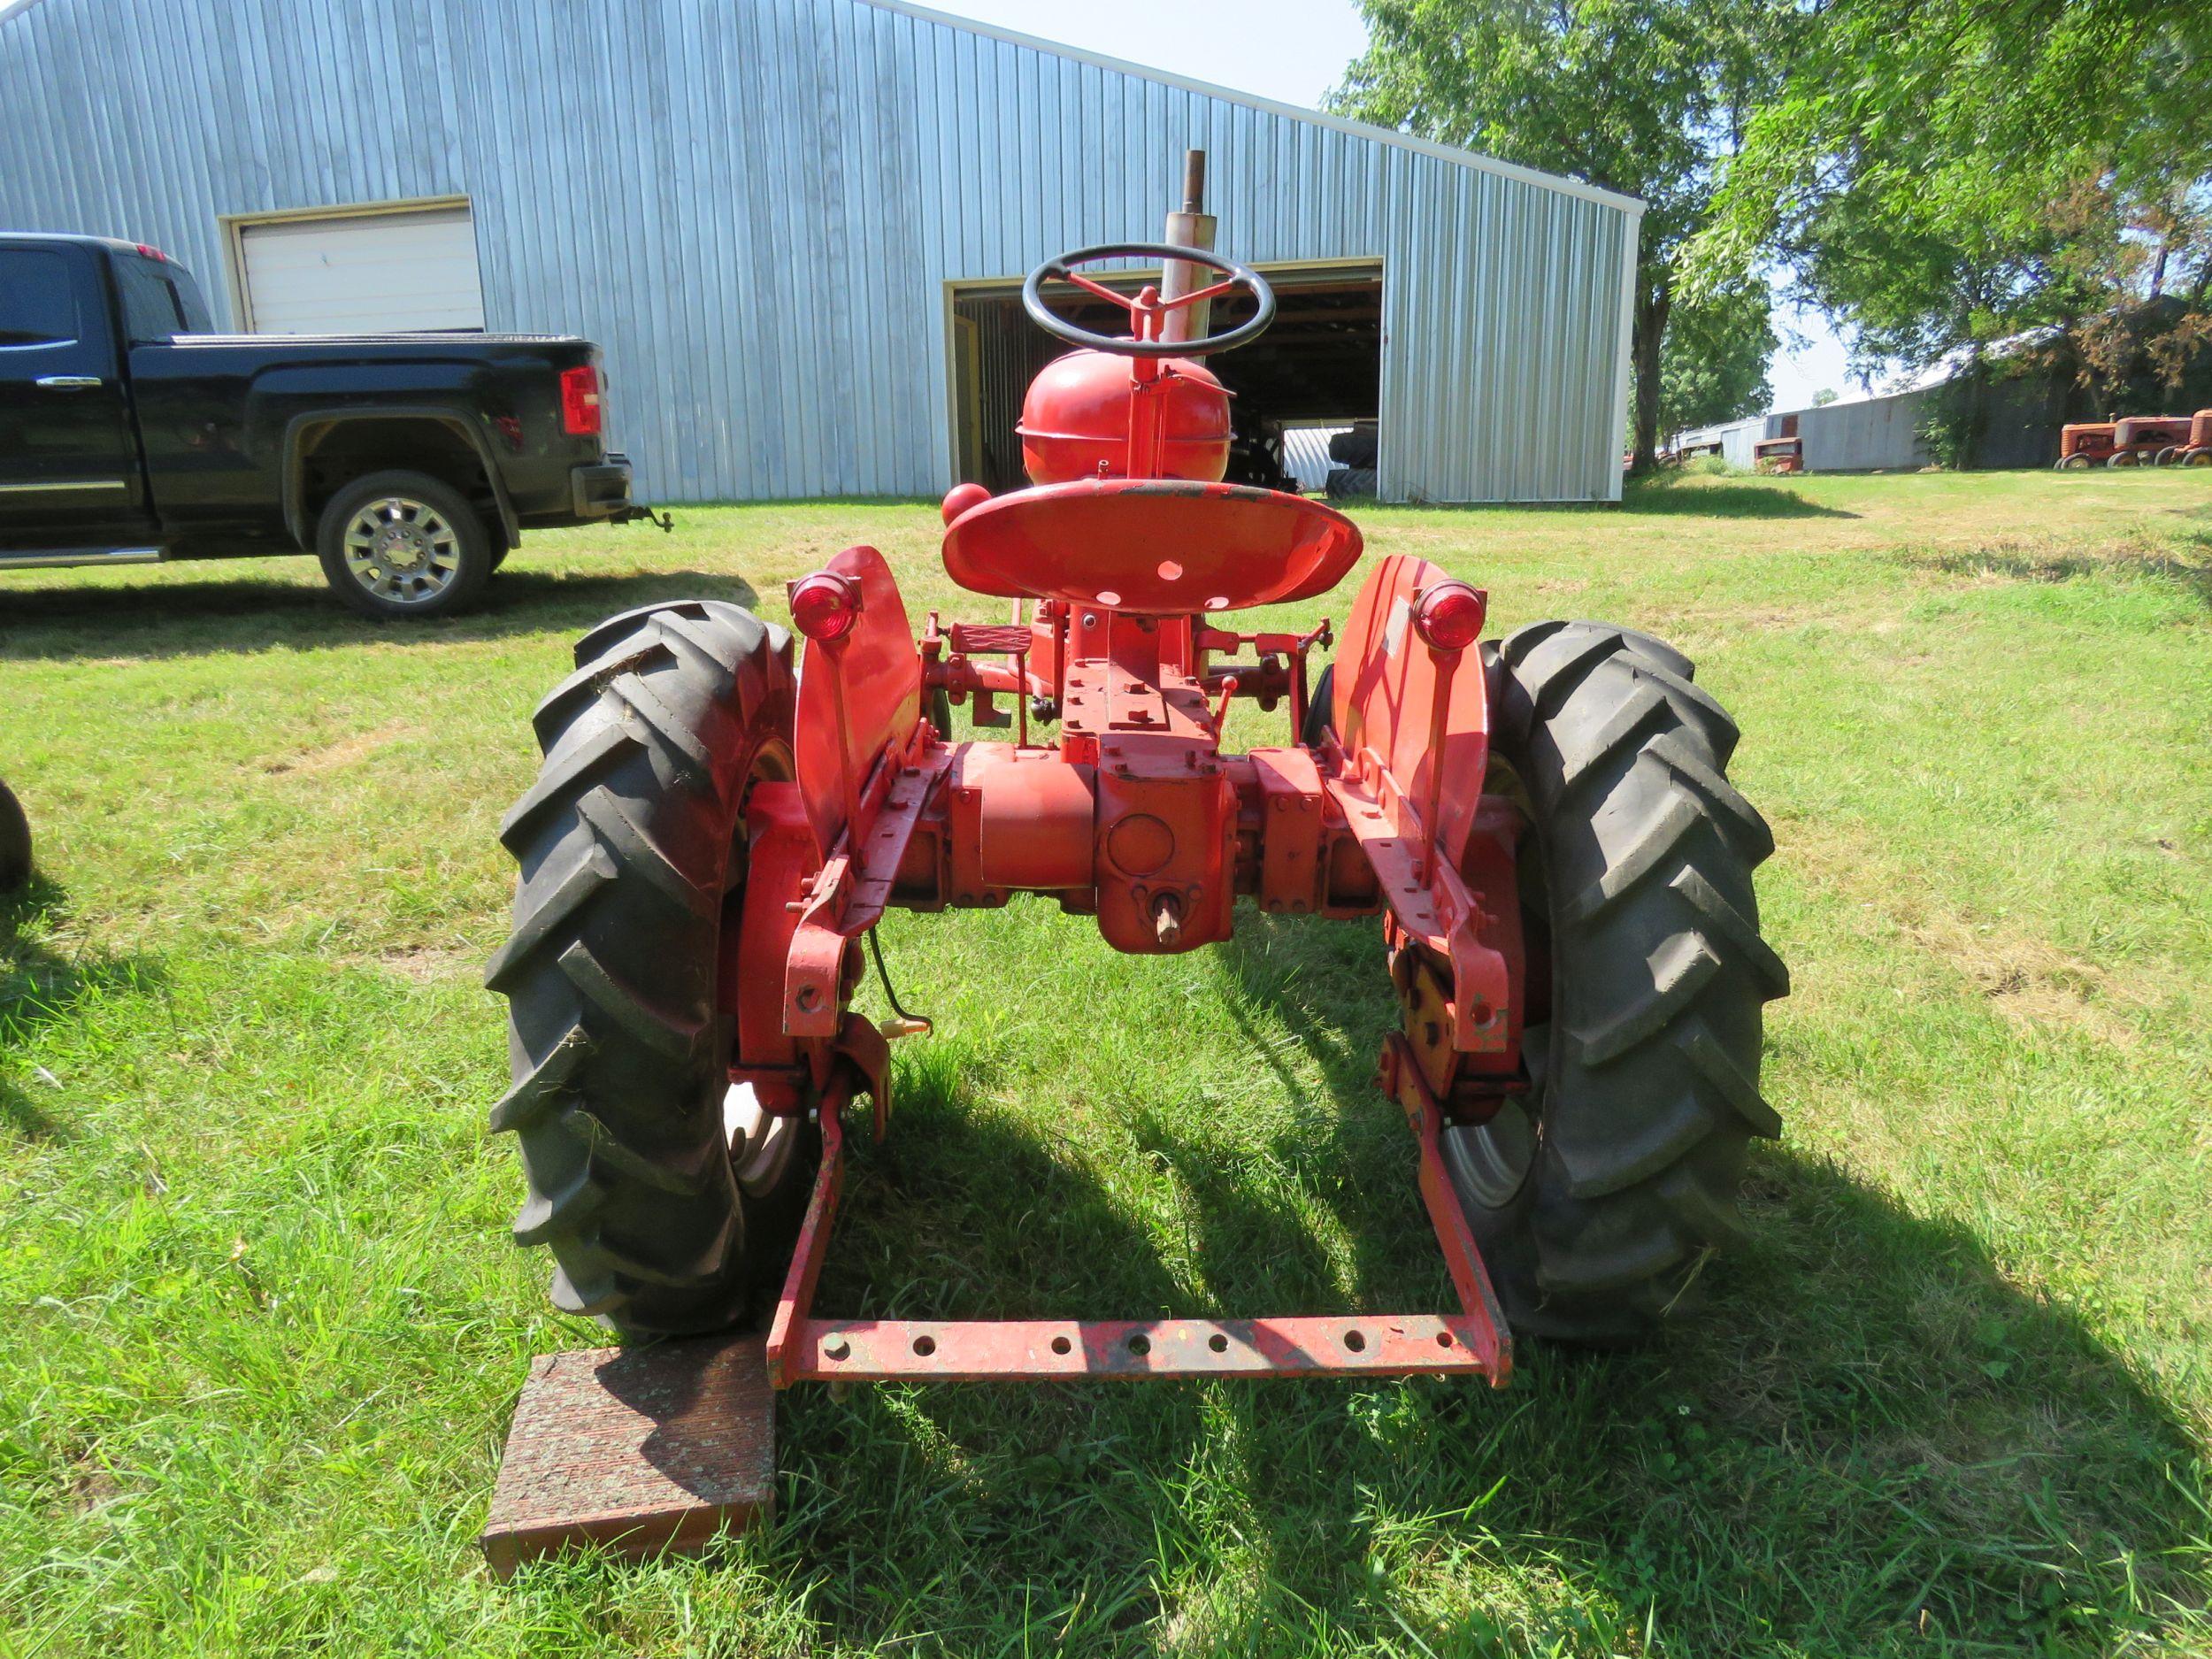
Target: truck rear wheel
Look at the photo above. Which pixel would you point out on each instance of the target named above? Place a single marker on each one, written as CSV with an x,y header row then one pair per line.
x,y
670,1200
1597,1196
403,544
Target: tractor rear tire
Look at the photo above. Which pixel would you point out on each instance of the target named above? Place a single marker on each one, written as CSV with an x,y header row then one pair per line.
x,y
1598,1195
633,857
1320,710
15,843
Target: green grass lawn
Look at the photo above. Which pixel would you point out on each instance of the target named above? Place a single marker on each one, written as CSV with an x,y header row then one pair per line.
x,y
264,1327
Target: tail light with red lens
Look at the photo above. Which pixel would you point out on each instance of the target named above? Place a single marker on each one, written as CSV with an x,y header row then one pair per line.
x,y
1449,615
579,402
824,605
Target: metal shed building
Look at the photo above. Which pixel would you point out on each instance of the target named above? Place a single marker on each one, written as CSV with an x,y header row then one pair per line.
x,y
1861,435
785,222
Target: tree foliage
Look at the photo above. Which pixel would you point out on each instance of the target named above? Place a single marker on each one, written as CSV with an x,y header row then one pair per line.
x,y
1650,97
1939,173
1714,364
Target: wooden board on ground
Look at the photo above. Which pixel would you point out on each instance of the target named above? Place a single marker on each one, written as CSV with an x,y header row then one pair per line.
x,y
638,1450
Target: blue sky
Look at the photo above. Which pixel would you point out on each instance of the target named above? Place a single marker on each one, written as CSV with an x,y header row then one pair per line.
x,y
1295,51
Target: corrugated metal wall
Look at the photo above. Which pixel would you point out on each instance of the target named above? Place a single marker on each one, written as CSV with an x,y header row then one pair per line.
x,y
1306,455
1862,436
754,206
1735,438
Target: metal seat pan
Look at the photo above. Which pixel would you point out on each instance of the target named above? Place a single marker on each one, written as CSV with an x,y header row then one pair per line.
x,y
1161,547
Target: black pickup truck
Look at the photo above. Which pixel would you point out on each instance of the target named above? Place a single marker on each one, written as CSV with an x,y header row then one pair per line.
x,y
409,464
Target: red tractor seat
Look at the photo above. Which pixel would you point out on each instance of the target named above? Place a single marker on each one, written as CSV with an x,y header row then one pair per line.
x,y
1163,547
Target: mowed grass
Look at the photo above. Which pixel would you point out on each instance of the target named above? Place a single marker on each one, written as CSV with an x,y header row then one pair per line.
x,y
265,1330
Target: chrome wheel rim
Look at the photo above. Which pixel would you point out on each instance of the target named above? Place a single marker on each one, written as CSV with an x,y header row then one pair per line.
x,y
762,1142
1490,1162
402,550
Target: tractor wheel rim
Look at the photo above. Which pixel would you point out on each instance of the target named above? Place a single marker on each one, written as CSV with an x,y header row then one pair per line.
x,y
762,1142
402,550
1490,1162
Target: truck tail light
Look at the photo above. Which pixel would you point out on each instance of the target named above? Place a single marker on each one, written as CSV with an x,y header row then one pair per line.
x,y
579,402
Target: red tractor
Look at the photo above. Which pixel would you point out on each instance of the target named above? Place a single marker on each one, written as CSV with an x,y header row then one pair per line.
x,y
1543,823
2196,449
2148,439
2084,444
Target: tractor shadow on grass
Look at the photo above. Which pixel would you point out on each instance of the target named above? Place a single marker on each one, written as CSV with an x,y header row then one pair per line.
x,y
965,1509
39,986
1863,1440
247,615
1863,1437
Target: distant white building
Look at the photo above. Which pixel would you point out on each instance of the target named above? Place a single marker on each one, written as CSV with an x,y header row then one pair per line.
x,y
1863,434
1880,431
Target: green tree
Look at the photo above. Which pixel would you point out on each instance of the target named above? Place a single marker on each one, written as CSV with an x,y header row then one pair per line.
x,y
1825,397
1939,173
1650,97
1713,363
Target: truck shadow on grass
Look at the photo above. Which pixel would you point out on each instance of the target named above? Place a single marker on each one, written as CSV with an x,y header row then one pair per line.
x,y
1863,1440
171,619
37,987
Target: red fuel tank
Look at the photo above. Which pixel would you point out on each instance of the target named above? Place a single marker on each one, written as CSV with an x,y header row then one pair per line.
x,y
1092,415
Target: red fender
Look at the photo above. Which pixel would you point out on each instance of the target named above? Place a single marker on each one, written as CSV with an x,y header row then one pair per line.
x,y
860,695
1385,702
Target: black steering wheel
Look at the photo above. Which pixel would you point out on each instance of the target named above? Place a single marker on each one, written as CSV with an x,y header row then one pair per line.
x,y
1141,312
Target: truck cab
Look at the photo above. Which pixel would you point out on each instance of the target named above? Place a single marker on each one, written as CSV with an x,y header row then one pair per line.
x,y
409,464
71,478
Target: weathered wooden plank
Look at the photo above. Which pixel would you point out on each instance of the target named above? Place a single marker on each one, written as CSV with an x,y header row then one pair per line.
x,y
638,1450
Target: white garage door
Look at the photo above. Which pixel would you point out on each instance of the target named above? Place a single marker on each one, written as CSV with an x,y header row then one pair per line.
x,y
364,273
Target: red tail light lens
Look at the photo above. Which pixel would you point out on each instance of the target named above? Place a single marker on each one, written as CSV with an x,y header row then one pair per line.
x,y
824,605
1449,615
579,402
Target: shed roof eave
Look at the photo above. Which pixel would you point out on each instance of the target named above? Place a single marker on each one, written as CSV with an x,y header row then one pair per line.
x,y
1630,204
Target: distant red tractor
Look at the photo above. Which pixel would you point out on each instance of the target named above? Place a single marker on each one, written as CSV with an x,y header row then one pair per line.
x,y
2197,450
2148,439
2084,443
1543,823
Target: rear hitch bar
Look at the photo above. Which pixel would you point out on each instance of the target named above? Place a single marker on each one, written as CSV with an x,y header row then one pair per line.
x,y
1472,1342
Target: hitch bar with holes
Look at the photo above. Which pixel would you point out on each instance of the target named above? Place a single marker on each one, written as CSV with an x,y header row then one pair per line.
x,y
804,1349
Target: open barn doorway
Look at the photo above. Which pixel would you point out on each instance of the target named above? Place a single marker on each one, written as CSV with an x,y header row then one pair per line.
x,y
1317,370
